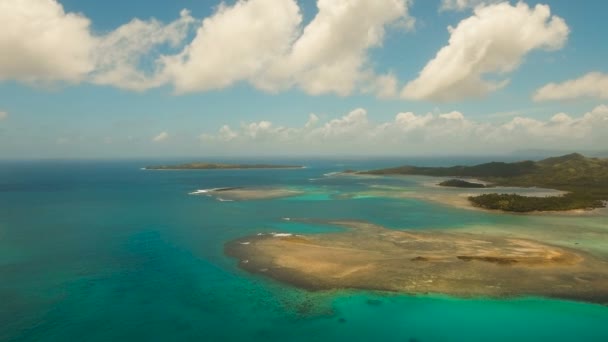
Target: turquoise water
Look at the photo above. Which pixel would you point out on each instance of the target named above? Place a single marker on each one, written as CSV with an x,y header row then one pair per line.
x,y
103,251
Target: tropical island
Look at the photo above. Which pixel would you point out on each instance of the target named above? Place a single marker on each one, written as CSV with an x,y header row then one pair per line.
x,y
584,179
220,166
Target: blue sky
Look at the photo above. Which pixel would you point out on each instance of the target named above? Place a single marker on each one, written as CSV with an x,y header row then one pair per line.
x,y
301,77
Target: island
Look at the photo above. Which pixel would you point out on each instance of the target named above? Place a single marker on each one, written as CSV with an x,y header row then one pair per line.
x,y
459,183
220,166
247,194
585,181
371,257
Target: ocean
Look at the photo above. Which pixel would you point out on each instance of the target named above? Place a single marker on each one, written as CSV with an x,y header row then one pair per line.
x,y
106,251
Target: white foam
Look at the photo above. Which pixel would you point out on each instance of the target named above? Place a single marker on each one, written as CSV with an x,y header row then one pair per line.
x,y
224,200
245,243
202,191
281,234
286,218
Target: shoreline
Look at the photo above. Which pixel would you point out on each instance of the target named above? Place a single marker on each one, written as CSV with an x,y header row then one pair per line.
x,y
458,197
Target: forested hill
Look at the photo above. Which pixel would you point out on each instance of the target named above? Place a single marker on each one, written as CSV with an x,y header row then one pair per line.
x,y
493,169
585,178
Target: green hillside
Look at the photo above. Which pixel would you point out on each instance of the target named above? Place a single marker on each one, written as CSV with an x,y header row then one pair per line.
x,y
586,180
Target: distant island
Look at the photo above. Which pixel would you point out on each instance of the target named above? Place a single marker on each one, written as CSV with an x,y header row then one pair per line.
x,y
584,179
220,166
459,183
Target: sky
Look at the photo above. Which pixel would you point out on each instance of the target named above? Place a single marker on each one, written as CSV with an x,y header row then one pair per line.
x,y
143,78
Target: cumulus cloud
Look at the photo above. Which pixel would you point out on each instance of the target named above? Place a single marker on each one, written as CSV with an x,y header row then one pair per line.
x,y
162,136
119,53
408,132
313,119
262,42
350,126
331,54
3,115
234,44
491,42
594,85
40,42
461,5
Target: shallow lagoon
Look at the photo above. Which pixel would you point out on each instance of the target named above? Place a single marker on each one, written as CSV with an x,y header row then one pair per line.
x,y
103,251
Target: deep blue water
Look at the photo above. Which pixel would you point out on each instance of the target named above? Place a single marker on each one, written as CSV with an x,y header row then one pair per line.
x,y
104,251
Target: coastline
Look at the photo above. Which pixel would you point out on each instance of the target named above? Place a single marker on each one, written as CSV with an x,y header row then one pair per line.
x,y
458,197
584,179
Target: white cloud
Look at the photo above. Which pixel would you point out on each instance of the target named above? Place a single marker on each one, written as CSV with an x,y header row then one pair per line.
x,y
594,84
3,115
383,86
452,116
40,42
226,133
234,44
410,133
262,42
491,42
350,126
313,119
461,5
119,53
331,55
162,136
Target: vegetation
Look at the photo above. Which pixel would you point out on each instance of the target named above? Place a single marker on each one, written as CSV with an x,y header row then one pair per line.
x,y
219,166
493,169
518,203
585,180
459,183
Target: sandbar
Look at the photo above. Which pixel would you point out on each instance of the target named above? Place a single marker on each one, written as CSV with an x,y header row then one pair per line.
x,y
247,194
370,257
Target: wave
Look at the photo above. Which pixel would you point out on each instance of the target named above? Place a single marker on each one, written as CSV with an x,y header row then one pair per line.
x,y
207,191
201,191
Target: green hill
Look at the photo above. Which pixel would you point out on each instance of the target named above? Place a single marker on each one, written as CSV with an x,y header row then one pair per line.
x,y
586,180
